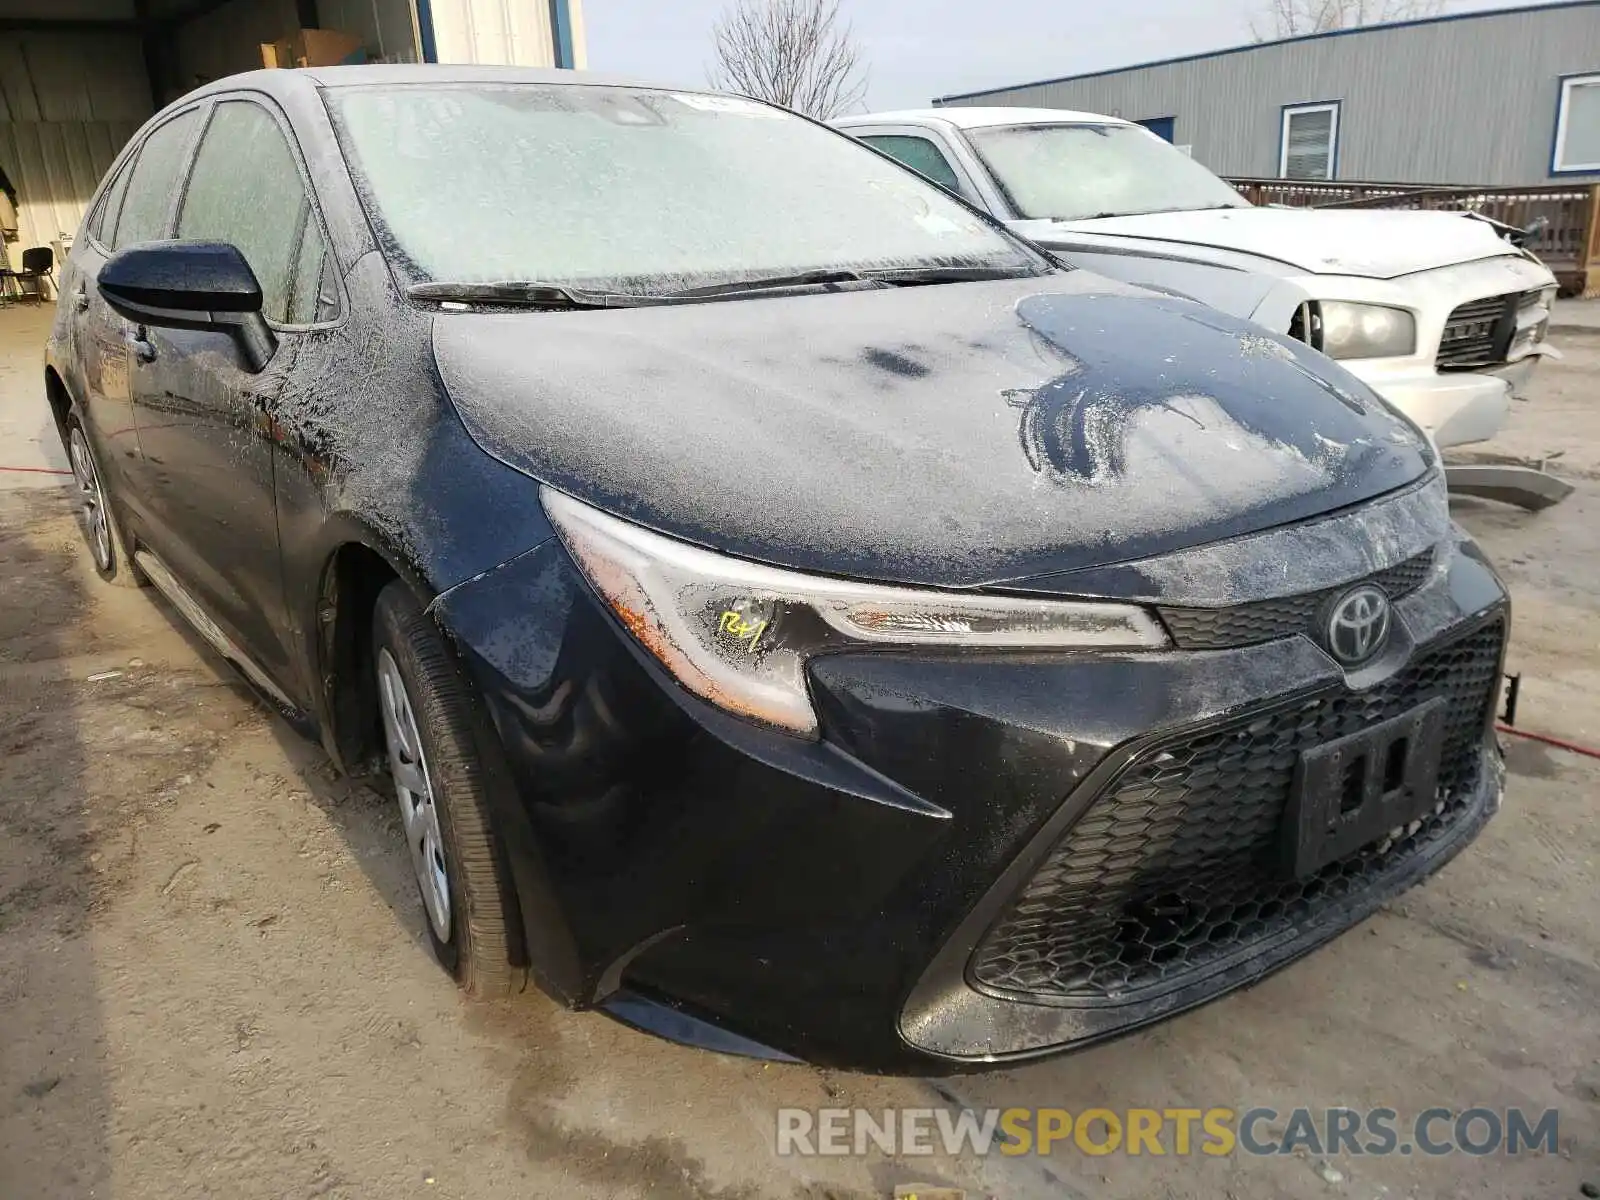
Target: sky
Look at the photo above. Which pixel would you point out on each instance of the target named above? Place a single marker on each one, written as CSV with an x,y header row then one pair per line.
x,y
918,49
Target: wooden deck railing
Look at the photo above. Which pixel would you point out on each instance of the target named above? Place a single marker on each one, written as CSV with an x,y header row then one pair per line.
x,y
1569,242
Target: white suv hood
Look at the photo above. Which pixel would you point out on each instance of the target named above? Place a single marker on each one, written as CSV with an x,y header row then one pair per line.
x,y
1375,244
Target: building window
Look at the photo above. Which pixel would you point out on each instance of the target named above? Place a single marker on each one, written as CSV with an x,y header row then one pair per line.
x,y
1577,143
1308,143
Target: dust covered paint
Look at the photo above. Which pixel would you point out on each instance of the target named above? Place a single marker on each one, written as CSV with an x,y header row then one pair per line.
x,y
1276,562
955,435
1079,424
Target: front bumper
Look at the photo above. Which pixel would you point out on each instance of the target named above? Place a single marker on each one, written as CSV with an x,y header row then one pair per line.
x,y
1454,409
1459,404
829,899
1156,889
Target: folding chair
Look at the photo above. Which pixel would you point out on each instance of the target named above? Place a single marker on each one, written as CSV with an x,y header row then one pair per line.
x,y
38,264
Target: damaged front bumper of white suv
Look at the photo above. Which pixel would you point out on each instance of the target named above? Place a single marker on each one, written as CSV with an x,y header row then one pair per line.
x,y
1480,331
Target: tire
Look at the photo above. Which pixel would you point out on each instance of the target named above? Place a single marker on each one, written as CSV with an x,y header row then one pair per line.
x,y
427,715
96,520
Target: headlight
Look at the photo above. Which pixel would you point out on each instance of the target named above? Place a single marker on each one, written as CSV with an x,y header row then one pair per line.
x,y
1366,330
738,634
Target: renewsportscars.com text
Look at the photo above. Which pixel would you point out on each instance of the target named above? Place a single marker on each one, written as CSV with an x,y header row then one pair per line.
x,y
1217,1132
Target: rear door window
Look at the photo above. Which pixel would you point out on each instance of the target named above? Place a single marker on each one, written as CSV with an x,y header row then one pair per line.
x,y
246,189
105,220
920,154
153,182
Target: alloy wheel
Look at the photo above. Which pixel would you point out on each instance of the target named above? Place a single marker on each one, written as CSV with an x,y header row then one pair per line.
x,y
91,500
413,785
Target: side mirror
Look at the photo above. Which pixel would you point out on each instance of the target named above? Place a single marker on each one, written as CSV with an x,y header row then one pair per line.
x,y
190,285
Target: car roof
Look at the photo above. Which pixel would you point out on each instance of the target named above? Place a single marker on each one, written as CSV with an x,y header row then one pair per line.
x,y
294,79
401,73
978,118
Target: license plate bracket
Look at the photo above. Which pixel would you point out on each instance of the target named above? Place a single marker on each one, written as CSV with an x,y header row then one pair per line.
x,y
1351,791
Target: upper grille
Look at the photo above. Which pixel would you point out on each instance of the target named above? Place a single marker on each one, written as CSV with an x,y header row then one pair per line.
x,y
1478,333
1267,620
1172,869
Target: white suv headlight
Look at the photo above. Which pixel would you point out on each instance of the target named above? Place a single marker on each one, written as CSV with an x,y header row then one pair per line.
x,y
738,634
1366,330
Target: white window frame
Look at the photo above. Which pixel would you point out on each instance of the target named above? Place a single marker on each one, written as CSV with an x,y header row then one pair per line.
x,y
1293,110
1558,144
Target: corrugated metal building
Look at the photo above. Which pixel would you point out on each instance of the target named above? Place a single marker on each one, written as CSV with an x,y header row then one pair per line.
x,y
78,77
1504,97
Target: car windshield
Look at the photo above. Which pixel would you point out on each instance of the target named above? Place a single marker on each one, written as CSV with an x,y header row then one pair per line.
x,y
638,190
1076,172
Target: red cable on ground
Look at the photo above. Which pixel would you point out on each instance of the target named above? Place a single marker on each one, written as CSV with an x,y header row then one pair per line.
x,y
37,470
1549,741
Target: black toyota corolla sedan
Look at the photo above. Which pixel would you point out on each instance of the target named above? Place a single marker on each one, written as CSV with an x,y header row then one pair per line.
x,y
795,616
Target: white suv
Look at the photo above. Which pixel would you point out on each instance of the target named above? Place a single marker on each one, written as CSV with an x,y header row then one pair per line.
x,y
1437,311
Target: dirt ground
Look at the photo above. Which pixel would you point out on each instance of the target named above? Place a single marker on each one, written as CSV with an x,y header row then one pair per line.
x,y
214,980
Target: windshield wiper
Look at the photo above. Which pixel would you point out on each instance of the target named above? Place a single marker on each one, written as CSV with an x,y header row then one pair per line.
x,y
523,295
767,283
562,296
891,276
911,276
1150,212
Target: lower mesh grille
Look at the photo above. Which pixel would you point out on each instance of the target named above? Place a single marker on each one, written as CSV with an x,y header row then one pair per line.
x,y
1173,869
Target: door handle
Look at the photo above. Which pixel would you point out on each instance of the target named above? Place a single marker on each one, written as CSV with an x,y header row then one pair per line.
x,y
80,299
143,349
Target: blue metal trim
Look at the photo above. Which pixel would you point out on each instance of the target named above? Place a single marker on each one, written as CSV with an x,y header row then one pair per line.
x,y
1172,117
1338,132
430,47
1555,127
1304,37
561,33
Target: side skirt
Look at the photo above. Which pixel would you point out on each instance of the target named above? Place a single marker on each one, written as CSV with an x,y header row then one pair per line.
x,y
189,608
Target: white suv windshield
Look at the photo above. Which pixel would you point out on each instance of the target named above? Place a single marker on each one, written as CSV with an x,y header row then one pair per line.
x,y
1075,172
637,190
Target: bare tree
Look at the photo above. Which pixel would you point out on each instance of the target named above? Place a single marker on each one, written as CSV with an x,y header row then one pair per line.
x,y
792,52
1290,18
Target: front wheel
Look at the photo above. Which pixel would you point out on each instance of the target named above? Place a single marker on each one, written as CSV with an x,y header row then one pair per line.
x,y
459,866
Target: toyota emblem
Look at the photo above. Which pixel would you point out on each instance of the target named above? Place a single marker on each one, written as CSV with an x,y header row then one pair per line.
x,y
1359,625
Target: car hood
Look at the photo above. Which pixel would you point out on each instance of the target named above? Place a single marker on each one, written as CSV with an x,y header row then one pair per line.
x,y
1380,245
955,435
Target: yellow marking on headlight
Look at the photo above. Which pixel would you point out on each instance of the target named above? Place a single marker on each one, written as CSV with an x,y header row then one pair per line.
x,y
741,629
